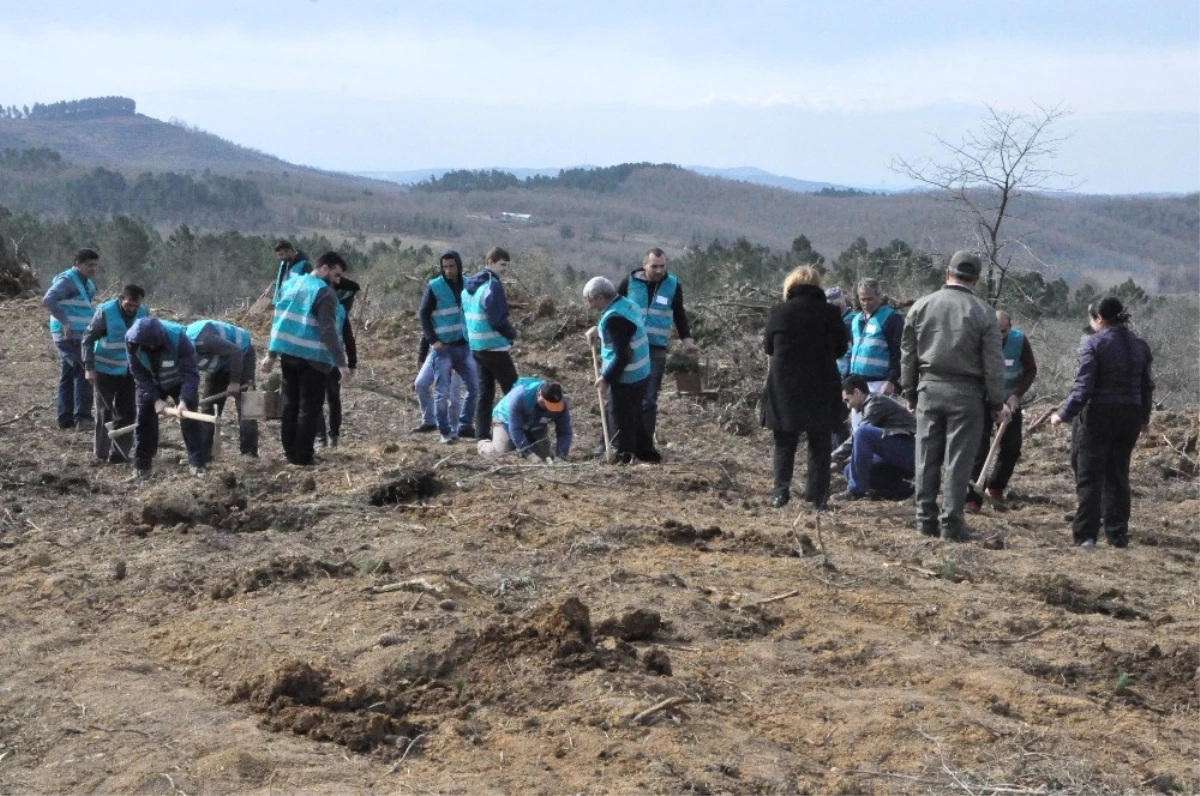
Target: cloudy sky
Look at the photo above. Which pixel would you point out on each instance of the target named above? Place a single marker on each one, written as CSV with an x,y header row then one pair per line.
x,y
827,90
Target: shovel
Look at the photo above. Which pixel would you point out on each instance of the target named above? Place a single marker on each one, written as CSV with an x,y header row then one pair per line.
x,y
608,452
989,463
161,407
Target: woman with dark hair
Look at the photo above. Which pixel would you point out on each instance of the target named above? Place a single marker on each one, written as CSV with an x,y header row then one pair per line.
x,y
804,338
1113,382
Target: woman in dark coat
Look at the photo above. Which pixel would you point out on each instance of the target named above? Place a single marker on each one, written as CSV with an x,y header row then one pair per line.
x,y
804,338
1113,382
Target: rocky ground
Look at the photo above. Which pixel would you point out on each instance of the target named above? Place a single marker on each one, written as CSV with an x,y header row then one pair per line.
x,y
407,618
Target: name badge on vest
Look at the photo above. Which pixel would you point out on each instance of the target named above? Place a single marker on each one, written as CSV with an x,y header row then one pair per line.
x,y
166,363
1008,363
203,363
661,300
872,327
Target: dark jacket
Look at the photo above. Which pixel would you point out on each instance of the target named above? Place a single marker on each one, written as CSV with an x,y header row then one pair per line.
x,y
347,290
149,335
1114,368
804,338
884,413
495,305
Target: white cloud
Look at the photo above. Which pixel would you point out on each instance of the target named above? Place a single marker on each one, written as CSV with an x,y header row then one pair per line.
x,y
394,64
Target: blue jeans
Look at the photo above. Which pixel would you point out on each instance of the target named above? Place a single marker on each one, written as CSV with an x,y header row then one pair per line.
x,y
871,451
424,386
74,390
455,369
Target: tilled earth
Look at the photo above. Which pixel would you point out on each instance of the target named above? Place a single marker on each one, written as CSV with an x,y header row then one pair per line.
x,y
407,618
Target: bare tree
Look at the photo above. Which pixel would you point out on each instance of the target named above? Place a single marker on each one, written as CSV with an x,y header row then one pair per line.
x,y
984,173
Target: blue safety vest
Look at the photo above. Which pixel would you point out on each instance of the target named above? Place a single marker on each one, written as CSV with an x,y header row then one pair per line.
x,y
209,363
525,390
78,310
869,355
294,330
656,314
112,357
480,334
448,321
1013,370
284,273
844,361
638,367
169,373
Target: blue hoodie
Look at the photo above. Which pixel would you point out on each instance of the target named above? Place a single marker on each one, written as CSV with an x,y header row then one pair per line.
x,y
149,335
495,305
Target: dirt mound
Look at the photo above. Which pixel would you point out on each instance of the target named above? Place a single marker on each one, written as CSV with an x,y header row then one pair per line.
x,y
404,485
1061,591
297,698
280,570
639,624
677,532
171,504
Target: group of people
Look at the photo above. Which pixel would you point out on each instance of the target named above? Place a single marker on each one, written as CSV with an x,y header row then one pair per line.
x,y
119,366
837,377
467,385
957,364
466,353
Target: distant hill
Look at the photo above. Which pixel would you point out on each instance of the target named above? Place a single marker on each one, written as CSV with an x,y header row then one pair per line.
x,y
744,174
135,141
760,177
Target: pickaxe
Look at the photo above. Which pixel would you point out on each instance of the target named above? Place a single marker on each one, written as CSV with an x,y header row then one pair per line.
x,y
161,408
990,462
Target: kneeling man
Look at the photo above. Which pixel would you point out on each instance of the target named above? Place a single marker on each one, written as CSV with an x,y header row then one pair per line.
x,y
882,450
520,420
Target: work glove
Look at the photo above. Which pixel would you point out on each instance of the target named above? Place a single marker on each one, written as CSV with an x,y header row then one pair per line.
x,y
532,458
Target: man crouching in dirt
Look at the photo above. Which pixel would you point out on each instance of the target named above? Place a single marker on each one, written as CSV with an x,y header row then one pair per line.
x,y
520,420
305,340
163,363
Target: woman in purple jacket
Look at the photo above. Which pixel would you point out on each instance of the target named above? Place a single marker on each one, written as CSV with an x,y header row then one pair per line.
x,y
1114,384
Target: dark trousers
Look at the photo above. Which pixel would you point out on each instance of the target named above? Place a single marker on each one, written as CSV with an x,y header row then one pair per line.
x,y
816,476
1006,457
630,437
120,394
1106,443
494,367
303,387
247,429
74,390
333,397
145,435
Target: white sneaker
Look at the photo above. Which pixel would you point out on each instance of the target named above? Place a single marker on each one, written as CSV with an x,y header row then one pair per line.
x,y
449,439
1088,545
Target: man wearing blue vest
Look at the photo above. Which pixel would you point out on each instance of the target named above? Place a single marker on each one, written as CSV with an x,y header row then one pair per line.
x,y
875,343
106,367
292,262
69,301
305,339
520,423
625,368
659,296
163,363
490,333
1020,370
444,326
225,355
